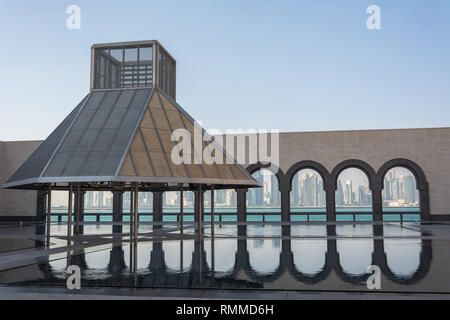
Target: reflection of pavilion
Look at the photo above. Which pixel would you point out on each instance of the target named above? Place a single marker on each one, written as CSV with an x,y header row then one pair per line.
x,y
244,274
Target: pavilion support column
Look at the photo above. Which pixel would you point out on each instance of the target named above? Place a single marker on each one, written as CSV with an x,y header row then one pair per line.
x,y
41,205
157,209
212,216
117,211
77,209
49,212
200,211
241,210
136,215
80,217
69,215
196,205
181,209
131,212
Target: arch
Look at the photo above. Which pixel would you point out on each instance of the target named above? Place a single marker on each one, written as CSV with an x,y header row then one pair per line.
x,y
305,164
251,169
421,182
354,163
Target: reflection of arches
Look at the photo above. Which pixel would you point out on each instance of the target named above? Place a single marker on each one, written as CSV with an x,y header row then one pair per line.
x,y
309,278
421,182
426,255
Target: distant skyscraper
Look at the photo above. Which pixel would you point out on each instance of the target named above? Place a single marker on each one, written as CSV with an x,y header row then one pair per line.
x,y
348,193
409,184
274,192
339,194
295,195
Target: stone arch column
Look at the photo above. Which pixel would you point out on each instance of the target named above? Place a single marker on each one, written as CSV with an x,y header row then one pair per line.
x,y
421,182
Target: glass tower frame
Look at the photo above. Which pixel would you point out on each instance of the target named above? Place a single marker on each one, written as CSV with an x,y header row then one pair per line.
x,y
131,65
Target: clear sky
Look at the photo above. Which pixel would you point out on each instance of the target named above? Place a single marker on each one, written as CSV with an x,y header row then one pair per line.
x,y
289,65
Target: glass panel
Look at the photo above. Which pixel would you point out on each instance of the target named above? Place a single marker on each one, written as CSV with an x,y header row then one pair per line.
x,y
145,67
130,73
120,67
100,61
116,67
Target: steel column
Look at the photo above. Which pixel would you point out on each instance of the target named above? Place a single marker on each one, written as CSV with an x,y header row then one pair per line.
x,y
49,212
69,215
136,217
212,212
181,209
200,211
78,210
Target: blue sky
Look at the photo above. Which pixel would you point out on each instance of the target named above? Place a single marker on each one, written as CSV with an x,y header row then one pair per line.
x,y
289,65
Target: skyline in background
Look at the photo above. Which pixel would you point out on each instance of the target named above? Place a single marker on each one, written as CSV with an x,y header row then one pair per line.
x,y
399,190
293,66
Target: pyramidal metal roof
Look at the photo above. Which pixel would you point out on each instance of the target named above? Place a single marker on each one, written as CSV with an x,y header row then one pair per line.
x,y
122,135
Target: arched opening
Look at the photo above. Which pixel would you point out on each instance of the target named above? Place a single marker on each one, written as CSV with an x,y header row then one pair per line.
x,y
401,198
420,180
307,196
353,197
264,204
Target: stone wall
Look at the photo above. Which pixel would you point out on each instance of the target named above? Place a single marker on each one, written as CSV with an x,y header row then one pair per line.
x,y
428,148
16,203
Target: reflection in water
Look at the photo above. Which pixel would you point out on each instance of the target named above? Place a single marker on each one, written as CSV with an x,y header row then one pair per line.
x,y
266,260
264,254
313,230
225,251
355,253
178,255
309,255
403,256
